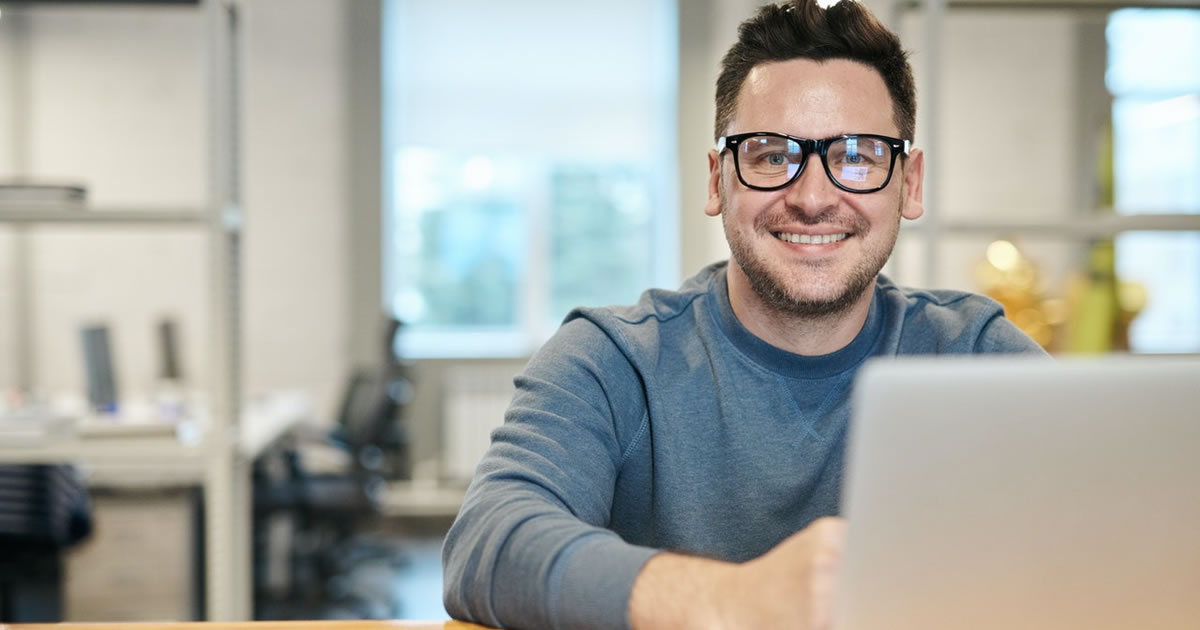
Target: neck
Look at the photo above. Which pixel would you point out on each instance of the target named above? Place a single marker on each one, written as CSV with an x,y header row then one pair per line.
x,y
807,336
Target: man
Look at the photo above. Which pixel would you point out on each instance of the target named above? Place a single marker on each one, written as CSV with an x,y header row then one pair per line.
x,y
678,463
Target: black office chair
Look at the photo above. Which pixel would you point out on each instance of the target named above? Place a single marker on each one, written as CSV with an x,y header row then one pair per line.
x,y
44,510
324,512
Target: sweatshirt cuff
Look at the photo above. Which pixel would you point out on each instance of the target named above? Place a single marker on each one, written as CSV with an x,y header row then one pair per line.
x,y
595,580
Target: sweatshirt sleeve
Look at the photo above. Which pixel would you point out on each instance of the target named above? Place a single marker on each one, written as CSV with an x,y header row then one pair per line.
x,y
529,548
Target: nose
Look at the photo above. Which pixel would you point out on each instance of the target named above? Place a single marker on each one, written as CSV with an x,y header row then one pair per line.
x,y
812,192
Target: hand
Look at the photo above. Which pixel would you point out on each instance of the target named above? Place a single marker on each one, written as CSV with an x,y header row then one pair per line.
x,y
792,586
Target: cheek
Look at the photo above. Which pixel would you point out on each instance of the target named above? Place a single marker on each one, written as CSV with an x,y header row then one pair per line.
x,y
885,209
741,205
880,216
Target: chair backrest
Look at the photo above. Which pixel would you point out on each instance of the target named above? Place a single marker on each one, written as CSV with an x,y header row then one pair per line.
x,y
370,415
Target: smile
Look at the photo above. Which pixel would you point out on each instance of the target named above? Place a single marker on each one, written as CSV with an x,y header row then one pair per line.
x,y
814,239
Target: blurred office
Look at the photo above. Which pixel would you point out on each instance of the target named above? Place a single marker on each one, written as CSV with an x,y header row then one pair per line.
x,y
266,273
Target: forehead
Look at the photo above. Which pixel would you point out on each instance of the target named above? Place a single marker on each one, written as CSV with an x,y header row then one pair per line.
x,y
814,99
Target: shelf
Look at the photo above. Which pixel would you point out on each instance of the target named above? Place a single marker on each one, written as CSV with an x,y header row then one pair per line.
x,y
219,462
1084,228
76,215
162,452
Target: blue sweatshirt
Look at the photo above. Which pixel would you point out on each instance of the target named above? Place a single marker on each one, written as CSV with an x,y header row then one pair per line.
x,y
668,426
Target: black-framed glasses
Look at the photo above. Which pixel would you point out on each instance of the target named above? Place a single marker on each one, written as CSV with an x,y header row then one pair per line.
x,y
857,163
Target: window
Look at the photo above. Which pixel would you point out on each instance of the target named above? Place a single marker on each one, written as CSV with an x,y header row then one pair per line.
x,y
1154,77
530,153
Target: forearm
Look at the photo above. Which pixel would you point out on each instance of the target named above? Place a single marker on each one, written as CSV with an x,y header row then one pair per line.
x,y
513,563
791,586
531,547
677,592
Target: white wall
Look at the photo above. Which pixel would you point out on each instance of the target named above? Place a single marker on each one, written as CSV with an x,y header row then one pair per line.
x,y
118,96
297,270
707,28
1009,135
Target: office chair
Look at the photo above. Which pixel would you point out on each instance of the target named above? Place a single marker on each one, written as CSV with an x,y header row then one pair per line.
x,y
44,509
321,513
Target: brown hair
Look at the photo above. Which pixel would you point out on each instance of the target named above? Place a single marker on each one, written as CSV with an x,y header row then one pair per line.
x,y
801,29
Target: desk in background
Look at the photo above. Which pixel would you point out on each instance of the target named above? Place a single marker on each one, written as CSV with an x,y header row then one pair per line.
x,y
129,457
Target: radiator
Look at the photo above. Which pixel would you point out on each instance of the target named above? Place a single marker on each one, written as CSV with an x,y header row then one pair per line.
x,y
474,403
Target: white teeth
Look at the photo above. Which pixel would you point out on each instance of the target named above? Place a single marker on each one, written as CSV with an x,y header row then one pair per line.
x,y
814,239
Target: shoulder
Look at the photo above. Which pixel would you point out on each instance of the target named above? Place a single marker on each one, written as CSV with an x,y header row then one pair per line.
x,y
937,305
659,318
598,364
939,320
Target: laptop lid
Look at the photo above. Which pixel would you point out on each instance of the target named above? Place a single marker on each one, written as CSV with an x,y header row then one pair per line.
x,y
1001,493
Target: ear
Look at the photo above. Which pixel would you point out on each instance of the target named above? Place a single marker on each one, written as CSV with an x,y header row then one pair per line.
x,y
712,207
912,206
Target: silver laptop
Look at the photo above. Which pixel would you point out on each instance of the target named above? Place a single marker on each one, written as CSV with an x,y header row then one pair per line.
x,y
1012,493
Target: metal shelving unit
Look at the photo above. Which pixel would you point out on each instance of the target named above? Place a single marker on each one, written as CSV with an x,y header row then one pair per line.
x,y
28,215
216,463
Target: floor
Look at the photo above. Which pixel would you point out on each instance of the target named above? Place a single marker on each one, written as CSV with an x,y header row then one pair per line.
x,y
391,571
418,584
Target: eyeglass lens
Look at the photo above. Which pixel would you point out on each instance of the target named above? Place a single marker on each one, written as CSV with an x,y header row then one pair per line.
x,y
856,162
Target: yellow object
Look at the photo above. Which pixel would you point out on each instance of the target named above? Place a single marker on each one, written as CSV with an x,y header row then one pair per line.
x,y
1106,192
1099,307
1009,277
1093,316
1003,255
1095,305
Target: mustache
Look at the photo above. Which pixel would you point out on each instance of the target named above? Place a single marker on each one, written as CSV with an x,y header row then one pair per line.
x,y
830,216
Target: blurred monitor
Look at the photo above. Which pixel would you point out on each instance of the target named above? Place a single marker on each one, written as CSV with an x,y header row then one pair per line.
x,y
98,368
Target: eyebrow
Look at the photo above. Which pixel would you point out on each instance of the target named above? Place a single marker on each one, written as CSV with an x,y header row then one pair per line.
x,y
840,134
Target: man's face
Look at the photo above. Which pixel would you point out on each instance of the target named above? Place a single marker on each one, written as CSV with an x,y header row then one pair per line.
x,y
813,100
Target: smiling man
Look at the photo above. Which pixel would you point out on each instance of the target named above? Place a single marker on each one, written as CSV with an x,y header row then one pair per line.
x,y
808,242
678,463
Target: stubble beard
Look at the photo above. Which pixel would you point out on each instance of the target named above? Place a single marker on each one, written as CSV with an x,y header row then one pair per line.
x,y
774,289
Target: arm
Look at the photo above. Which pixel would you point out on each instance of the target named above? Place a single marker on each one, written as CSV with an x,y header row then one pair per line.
x,y
792,586
529,548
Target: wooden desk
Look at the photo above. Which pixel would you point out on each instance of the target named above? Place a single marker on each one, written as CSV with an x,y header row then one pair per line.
x,y
254,625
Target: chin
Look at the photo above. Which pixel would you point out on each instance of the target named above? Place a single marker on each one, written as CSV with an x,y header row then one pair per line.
x,y
825,303
810,289
804,295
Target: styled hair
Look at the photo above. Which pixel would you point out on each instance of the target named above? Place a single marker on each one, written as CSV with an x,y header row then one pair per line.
x,y
801,29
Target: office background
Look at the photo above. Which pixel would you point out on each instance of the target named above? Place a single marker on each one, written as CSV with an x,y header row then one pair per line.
x,y
397,153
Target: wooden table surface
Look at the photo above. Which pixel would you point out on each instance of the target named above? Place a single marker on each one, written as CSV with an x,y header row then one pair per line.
x,y
254,625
